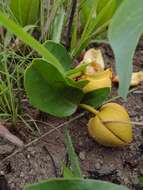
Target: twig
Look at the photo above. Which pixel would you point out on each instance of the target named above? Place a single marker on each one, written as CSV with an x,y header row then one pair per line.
x,y
125,122
52,160
70,22
42,136
117,97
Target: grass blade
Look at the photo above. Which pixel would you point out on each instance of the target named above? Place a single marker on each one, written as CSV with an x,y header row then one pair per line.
x,y
29,40
72,155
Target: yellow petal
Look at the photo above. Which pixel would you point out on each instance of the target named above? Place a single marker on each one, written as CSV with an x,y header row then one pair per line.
x,y
98,80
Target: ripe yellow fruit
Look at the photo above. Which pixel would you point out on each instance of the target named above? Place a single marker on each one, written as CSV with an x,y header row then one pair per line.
x,y
111,126
98,80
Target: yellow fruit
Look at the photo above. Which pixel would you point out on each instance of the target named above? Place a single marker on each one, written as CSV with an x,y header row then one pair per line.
x,y
111,126
98,80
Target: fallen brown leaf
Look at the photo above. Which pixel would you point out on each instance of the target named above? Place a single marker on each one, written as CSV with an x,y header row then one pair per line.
x,y
136,78
94,56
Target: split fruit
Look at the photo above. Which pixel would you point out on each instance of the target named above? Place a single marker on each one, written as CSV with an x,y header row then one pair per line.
x,y
111,126
98,80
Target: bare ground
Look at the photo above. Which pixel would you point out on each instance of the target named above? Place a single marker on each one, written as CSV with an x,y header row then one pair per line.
x,y
44,158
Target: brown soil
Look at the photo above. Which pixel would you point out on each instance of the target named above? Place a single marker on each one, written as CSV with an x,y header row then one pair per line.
x,y
44,159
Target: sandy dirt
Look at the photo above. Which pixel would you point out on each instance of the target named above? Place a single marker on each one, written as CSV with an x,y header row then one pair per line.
x,y
44,159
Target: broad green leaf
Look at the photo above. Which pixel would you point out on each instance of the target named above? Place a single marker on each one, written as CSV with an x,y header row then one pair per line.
x,y
96,98
74,162
124,33
29,40
25,11
49,91
75,184
60,52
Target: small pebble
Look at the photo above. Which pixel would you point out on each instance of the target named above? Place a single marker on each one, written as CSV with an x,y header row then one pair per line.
x,y
28,156
82,155
97,166
80,143
1,172
141,171
21,174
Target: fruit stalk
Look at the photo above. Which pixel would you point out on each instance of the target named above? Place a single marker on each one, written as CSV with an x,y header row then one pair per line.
x,y
89,108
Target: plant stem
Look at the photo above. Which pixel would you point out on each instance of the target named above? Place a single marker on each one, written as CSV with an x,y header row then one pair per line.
x,y
89,108
78,69
94,111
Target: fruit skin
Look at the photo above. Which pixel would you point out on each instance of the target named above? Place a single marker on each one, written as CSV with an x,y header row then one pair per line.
x,y
112,134
98,80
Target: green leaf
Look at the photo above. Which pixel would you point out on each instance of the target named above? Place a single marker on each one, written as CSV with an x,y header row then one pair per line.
x,y
29,40
75,166
60,52
124,33
104,15
119,2
140,180
67,173
75,184
86,7
49,91
58,26
100,5
96,97
96,23
25,11
78,84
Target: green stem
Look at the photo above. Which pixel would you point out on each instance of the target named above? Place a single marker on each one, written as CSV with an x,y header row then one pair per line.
x,y
78,70
89,108
75,75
